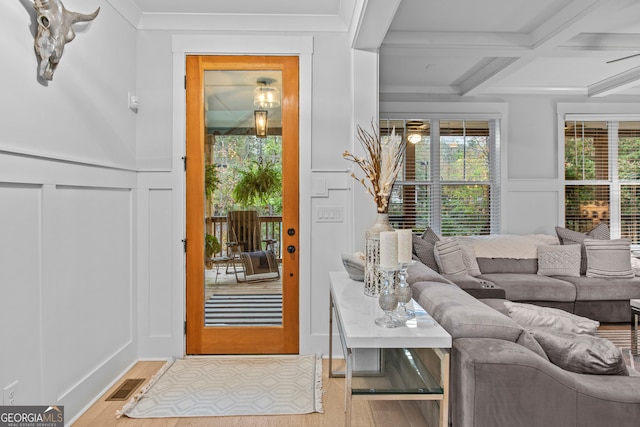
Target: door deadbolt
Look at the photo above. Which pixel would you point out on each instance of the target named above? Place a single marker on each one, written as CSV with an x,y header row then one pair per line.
x,y
291,231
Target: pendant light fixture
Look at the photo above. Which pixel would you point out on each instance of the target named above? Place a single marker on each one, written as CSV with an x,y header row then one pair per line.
x,y
261,123
265,96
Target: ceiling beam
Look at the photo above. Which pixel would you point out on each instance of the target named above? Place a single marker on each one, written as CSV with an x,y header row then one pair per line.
x,y
554,31
493,68
625,80
373,21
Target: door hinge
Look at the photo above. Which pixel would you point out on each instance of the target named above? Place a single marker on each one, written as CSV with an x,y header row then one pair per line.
x,y
185,82
184,162
185,327
184,245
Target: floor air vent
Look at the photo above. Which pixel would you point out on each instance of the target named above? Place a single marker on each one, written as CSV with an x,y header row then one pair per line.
x,y
126,389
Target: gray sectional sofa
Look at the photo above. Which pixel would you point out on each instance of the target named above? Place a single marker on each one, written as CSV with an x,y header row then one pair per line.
x,y
507,267
501,376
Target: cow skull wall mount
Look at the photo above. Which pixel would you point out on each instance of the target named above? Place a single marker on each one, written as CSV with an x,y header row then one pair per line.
x,y
55,30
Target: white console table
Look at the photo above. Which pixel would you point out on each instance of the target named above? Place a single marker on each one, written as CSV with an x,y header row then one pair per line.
x,y
406,354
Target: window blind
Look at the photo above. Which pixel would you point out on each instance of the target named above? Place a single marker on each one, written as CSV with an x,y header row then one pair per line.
x,y
602,175
450,180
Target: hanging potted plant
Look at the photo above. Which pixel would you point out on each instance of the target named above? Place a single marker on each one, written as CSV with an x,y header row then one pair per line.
x,y
259,181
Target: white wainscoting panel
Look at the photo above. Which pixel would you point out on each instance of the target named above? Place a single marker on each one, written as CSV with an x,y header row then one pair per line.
x,y
160,266
20,288
94,278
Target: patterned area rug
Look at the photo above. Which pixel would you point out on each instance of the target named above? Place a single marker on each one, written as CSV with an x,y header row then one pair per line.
x,y
231,385
621,338
243,310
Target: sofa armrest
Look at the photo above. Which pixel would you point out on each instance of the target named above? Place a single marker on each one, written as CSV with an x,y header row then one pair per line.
x,y
477,288
500,383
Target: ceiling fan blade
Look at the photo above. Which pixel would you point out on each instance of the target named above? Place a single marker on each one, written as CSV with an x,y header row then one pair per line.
x,y
623,58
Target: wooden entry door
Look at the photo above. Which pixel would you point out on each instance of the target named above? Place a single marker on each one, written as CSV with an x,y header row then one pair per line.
x,y
200,338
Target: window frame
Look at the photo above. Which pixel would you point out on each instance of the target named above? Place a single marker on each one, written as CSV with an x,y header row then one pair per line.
x,y
613,182
496,123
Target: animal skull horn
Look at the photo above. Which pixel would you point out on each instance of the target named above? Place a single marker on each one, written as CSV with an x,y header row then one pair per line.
x,y
54,32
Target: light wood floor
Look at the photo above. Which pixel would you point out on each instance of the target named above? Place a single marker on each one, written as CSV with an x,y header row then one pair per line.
x,y
365,413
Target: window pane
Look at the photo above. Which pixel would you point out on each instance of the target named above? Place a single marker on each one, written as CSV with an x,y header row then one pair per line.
x,y
586,150
417,154
466,210
630,212
629,151
586,206
464,159
410,207
464,150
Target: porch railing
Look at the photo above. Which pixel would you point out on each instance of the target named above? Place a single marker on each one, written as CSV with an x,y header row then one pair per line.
x,y
270,228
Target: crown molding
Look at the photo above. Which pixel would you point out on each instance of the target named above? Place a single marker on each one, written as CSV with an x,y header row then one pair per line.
x,y
225,21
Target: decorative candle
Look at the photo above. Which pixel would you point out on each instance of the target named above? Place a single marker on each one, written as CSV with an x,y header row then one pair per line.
x,y
405,245
389,249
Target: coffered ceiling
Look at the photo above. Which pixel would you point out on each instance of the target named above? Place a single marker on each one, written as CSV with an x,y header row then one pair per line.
x,y
447,47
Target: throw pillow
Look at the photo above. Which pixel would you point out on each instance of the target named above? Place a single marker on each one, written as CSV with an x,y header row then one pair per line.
x,y
559,260
424,251
600,231
608,258
533,316
570,237
449,257
430,236
469,257
584,354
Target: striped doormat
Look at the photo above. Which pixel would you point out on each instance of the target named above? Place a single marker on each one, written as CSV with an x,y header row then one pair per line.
x,y
244,310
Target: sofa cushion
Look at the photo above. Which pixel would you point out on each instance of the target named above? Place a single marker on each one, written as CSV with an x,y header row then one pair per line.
x,y
596,289
461,314
584,354
529,315
418,272
449,257
608,258
533,287
507,265
497,304
559,260
528,341
570,237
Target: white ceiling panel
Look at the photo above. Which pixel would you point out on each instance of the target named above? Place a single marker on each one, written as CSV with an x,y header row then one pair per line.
x,y
460,47
474,16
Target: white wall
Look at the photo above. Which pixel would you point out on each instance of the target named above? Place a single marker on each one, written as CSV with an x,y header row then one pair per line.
x,y
67,210
326,113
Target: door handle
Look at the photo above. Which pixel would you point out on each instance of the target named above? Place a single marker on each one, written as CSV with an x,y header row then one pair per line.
x,y
291,249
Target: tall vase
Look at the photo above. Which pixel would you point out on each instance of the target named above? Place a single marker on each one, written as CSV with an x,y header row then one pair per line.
x,y
373,277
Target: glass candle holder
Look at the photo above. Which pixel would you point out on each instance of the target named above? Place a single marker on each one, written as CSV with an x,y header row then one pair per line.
x,y
404,293
387,300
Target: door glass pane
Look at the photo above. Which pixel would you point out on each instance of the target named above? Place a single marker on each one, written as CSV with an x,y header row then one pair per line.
x,y
243,198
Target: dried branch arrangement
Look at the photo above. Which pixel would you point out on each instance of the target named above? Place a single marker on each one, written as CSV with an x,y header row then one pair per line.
x,y
381,166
